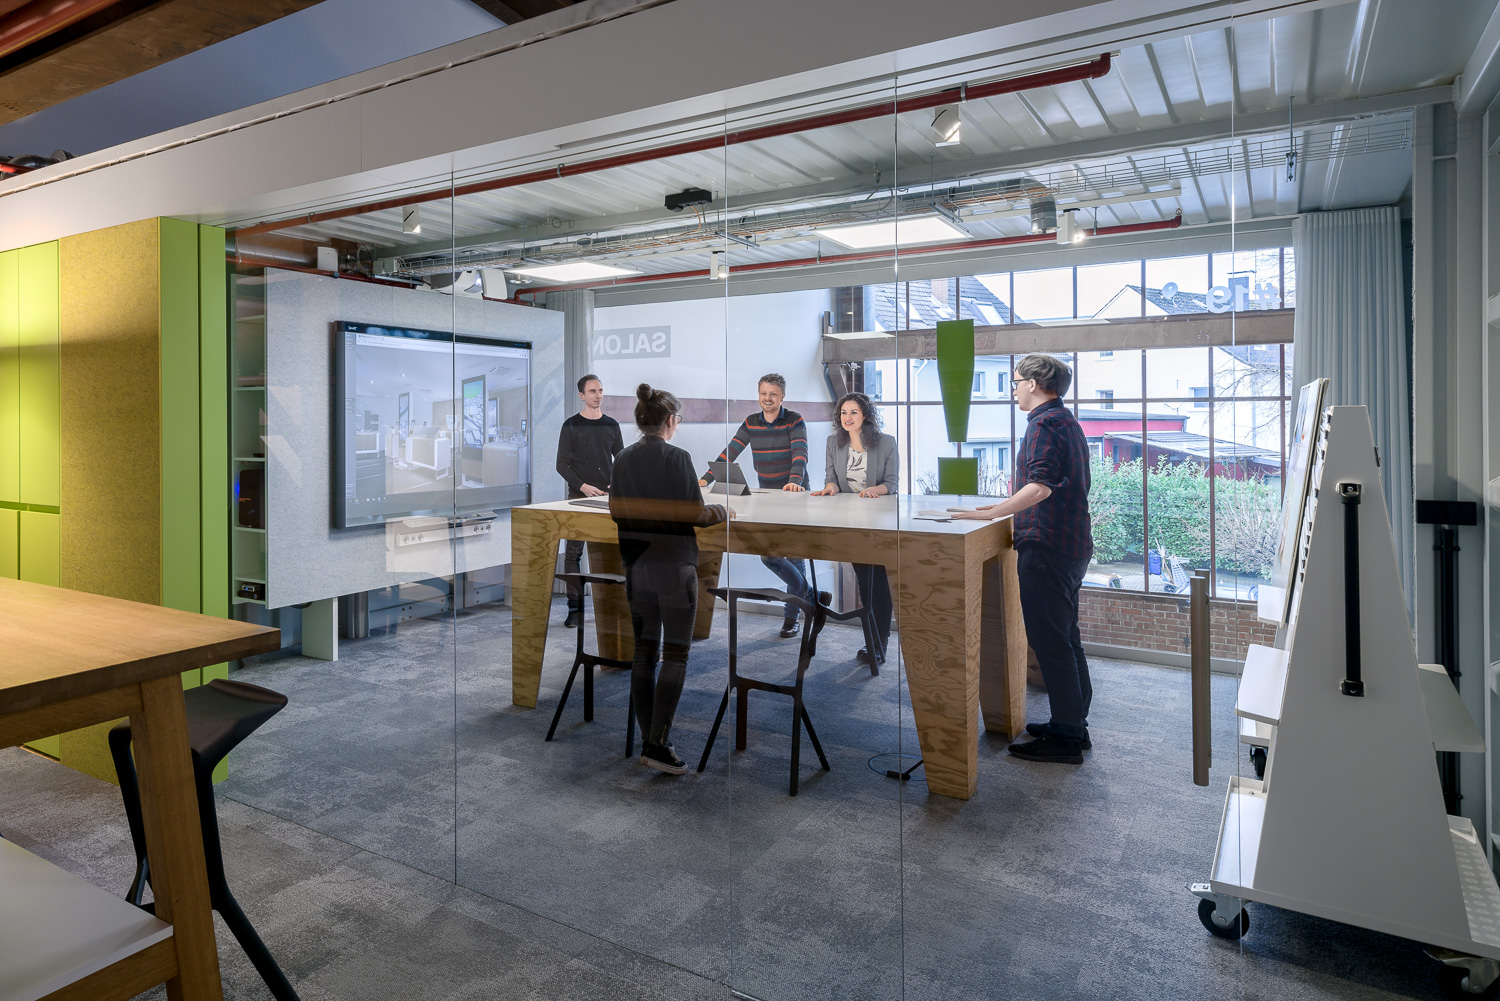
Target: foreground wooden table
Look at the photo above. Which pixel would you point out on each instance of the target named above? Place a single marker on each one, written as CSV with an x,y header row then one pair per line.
x,y
958,609
70,659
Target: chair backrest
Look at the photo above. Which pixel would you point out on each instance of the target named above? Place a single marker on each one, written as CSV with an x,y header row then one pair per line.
x,y
1179,575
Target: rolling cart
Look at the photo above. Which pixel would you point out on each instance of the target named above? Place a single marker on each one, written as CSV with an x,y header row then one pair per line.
x,y
1347,820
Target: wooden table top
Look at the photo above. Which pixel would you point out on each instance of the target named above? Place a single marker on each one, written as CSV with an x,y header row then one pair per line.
x,y
890,513
57,644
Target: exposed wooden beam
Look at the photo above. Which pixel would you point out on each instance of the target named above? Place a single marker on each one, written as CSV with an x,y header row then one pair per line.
x,y
498,8
156,34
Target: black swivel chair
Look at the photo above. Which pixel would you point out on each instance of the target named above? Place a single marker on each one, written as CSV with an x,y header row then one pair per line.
x,y
863,613
812,624
588,661
220,714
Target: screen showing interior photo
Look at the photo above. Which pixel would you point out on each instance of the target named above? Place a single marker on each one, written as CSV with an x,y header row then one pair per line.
x,y
428,424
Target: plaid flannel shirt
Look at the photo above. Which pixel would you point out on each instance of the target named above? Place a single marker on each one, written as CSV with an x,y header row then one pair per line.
x,y
1055,453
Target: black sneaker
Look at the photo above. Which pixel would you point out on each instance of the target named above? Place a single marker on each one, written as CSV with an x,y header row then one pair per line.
x,y
574,619
789,629
863,656
663,758
1049,747
1040,730
825,599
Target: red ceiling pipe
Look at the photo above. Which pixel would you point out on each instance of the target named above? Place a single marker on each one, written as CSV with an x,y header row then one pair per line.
x,y
863,255
41,18
953,95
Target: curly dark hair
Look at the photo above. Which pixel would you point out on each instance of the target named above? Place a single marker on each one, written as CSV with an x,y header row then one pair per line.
x,y
869,432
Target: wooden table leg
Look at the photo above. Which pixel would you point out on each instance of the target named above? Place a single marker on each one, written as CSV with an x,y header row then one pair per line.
x,y
174,838
612,628
1002,650
939,598
708,576
533,543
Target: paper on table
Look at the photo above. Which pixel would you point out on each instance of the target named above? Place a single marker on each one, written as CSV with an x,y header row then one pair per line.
x,y
933,516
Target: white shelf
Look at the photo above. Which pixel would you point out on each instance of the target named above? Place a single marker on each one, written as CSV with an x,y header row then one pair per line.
x,y
248,580
1448,718
249,389
1481,894
249,458
259,318
1262,685
1255,733
1239,834
247,528
60,928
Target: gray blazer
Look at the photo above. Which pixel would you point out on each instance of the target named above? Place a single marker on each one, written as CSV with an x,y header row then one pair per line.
x,y
880,464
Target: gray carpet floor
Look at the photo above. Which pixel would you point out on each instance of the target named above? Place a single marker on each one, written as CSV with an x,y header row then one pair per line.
x,y
1053,881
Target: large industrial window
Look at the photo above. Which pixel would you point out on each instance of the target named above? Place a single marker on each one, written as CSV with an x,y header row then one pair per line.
x,y
1188,442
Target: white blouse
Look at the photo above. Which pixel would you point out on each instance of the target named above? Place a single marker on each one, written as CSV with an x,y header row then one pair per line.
x,y
857,472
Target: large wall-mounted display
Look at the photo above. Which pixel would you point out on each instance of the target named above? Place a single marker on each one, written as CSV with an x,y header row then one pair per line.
x,y
405,444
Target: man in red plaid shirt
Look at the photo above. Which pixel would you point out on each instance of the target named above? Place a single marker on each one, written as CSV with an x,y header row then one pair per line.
x,y
1054,542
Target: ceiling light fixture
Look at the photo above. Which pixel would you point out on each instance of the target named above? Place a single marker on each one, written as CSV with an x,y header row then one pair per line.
x,y
947,126
718,268
908,231
574,271
1068,230
411,219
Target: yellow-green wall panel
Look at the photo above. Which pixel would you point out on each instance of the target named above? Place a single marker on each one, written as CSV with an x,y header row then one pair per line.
x,y
10,543
110,482
181,444
213,346
38,390
39,547
10,371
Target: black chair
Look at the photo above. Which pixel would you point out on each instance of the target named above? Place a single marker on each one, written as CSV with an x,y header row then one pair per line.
x,y
812,623
588,661
220,714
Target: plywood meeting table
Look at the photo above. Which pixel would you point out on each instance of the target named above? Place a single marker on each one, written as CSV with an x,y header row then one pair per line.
x,y
67,660
954,586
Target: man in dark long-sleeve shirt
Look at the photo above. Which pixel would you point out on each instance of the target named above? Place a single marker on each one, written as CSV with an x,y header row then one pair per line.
x,y
1054,541
777,438
586,451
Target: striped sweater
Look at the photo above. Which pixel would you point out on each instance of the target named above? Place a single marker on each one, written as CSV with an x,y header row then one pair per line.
x,y
778,449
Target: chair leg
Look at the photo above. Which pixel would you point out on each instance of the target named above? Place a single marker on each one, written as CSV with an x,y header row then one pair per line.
x,y
260,956
588,690
796,744
714,733
812,735
630,728
871,644
742,718
564,700
130,792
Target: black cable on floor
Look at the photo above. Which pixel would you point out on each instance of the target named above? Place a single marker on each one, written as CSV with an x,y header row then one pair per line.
x,y
894,773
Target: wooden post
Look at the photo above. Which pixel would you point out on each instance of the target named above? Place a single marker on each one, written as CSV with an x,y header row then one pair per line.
x,y
1201,651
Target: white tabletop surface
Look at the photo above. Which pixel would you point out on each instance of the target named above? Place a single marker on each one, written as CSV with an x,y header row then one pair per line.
x,y
781,507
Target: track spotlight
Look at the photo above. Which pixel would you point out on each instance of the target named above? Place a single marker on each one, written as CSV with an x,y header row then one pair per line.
x,y
1068,230
947,126
411,219
718,268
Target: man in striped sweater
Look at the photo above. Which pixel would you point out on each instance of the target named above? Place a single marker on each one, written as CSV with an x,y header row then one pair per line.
x,y
777,439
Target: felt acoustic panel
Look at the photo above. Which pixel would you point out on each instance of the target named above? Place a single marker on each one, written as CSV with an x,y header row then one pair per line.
x,y
958,475
10,541
111,540
37,374
181,453
10,372
955,362
38,547
213,372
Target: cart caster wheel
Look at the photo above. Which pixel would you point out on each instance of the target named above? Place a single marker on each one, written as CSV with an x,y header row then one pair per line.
x,y
1231,929
1258,761
1454,980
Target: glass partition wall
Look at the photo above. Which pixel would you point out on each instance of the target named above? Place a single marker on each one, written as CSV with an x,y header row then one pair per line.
x,y
858,827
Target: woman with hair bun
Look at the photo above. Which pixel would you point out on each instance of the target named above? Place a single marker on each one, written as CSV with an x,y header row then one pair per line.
x,y
656,503
861,460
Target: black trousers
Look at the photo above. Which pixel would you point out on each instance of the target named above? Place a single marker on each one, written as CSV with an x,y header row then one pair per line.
x,y
1050,581
572,560
875,594
663,600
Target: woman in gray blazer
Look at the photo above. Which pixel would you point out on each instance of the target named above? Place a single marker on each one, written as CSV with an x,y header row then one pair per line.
x,y
862,460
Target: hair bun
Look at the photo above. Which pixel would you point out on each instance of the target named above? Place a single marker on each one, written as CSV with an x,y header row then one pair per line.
x,y
643,392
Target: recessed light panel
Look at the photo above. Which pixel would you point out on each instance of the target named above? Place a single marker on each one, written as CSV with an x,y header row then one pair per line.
x,y
574,271
908,231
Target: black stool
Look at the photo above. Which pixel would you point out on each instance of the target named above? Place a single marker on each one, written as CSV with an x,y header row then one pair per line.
x,y
220,714
812,624
588,661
